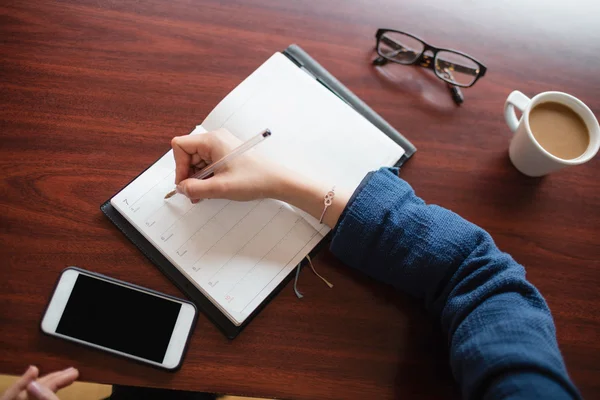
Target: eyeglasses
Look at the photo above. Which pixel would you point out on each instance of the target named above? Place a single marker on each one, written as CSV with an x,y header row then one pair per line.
x,y
451,66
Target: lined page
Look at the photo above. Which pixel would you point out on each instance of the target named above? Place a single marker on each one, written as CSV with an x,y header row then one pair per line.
x,y
235,253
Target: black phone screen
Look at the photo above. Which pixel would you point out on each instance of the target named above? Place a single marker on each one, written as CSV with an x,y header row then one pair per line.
x,y
120,318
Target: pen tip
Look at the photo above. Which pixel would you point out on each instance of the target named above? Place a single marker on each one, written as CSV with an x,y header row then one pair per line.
x,y
267,133
170,194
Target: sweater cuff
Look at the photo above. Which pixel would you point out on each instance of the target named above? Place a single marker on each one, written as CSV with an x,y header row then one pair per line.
x,y
365,214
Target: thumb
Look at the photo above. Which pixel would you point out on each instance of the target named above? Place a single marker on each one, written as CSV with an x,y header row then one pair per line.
x,y
201,188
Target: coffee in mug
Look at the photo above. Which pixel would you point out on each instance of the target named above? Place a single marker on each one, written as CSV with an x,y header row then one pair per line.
x,y
555,130
559,130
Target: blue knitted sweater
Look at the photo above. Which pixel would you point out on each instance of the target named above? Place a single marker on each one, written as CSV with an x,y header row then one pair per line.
x,y
500,332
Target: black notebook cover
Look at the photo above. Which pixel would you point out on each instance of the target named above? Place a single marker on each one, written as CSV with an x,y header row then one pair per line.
x,y
304,61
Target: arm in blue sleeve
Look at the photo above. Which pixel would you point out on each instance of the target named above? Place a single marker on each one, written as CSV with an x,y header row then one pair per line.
x,y
501,334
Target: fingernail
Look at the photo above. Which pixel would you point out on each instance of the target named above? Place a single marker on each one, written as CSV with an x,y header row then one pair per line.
x,y
69,369
179,189
36,388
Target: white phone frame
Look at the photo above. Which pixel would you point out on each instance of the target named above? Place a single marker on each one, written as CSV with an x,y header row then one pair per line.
x,y
62,293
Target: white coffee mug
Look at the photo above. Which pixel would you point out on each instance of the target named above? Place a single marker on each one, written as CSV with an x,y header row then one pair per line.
x,y
526,154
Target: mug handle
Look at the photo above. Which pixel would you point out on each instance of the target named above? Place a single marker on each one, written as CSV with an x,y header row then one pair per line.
x,y
515,99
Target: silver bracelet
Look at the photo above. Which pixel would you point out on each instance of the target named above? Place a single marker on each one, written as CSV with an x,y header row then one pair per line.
x,y
327,200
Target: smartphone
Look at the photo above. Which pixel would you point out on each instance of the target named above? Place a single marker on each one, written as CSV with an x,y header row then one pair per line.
x,y
120,318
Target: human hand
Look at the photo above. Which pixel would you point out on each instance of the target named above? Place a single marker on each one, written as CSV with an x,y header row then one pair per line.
x,y
28,387
248,177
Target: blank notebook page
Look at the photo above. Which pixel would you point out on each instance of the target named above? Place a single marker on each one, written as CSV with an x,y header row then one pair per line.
x,y
236,253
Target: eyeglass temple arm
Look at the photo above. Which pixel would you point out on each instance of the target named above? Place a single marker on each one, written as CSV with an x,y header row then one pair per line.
x,y
426,61
455,92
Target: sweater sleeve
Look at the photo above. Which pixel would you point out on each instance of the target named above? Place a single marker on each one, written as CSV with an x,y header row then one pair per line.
x,y
500,331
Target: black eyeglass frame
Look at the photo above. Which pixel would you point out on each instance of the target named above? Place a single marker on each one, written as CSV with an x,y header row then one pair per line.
x,y
426,61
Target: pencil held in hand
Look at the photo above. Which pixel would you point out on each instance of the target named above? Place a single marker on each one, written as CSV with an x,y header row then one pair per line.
x,y
238,151
170,194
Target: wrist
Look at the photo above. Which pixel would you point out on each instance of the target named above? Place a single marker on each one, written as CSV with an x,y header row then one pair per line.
x,y
309,196
294,189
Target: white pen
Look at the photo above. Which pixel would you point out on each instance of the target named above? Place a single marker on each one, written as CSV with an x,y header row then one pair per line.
x,y
238,151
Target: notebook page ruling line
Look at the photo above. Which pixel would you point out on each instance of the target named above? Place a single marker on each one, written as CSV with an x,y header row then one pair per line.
x,y
270,286
203,286
264,239
275,69
238,96
182,270
321,228
244,258
234,317
148,179
266,269
136,189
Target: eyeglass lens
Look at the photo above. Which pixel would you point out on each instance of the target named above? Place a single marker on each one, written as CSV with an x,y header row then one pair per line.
x,y
399,47
455,68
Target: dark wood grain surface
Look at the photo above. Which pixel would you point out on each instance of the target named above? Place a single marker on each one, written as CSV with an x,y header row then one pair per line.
x,y
92,92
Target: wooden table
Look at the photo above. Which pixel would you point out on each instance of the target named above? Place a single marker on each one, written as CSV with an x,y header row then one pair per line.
x,y
92,92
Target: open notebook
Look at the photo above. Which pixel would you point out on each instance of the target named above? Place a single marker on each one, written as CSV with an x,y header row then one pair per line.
x,y
237,253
